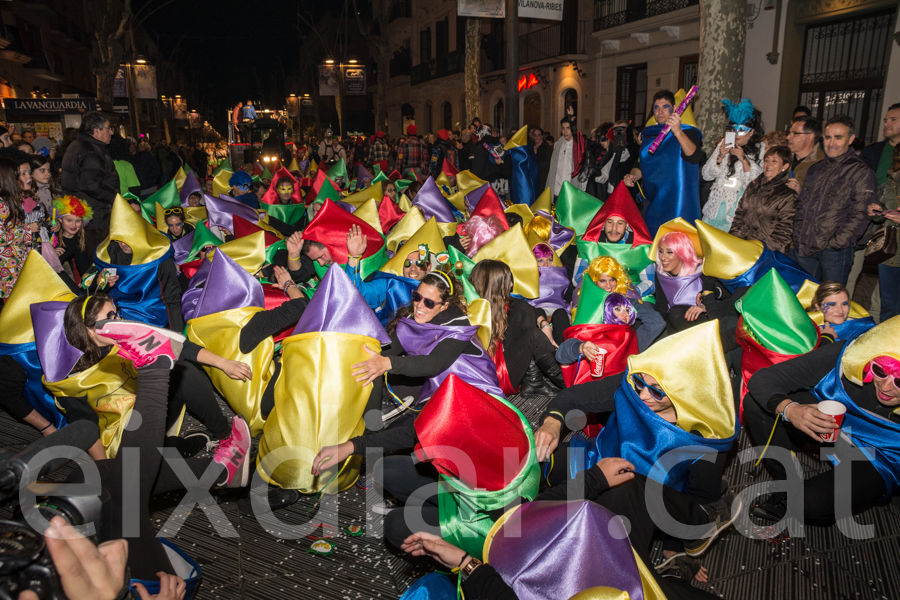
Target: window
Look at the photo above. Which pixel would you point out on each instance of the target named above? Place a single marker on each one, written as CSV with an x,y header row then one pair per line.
x,y
425,45
442,36
631,93
533,110
447,116
499,114
570,99
844,67
687,72
460,34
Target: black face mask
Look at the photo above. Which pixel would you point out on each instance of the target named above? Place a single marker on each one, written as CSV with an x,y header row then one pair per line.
x,y
620,137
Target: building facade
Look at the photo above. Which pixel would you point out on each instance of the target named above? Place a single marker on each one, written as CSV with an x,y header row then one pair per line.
x,y
608,57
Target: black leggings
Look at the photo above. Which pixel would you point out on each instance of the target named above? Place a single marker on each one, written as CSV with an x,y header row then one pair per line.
x,y
520,347
191,388
560,320
12,388
867,485
403,478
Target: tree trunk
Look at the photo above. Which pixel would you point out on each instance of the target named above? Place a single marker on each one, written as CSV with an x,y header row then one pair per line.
x,y
473,69
721,70
111,21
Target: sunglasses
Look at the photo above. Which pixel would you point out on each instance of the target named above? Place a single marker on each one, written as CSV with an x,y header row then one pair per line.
x,y
639,384
421,263
174,211
879,372
428,302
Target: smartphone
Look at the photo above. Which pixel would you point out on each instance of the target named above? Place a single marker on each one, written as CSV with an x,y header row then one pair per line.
x,y
729,140
112,272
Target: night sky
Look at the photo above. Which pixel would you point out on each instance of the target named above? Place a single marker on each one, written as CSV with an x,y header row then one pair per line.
x,y
235,50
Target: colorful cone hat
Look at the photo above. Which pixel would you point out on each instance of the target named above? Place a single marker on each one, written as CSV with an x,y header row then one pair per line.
x,y
511,247
700,389
225,165
465,183
882,340
330,227
368,212
37,282
483,202
590,303
243,228
523,211
202,237
459,415
405,228
227,286
677,224
448,169
380,176
560,237
222,209
191,185
337,306
575,208
286,213
125,225
544,202
389,214
619,204
363,173
429,234
329,190
167,196
58,356
523,181
433,204
775,318
294,166
220,182
271,195
525,556
373,192
726,256
339,169
181,176
249,252
266,174
182,247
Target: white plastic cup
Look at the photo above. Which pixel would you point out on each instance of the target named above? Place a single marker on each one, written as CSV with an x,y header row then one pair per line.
x,y
836,410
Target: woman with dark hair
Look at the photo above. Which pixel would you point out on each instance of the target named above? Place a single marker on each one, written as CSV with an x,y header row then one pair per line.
x,y
431,338
15,237
735,164
522,353
92,326
766,210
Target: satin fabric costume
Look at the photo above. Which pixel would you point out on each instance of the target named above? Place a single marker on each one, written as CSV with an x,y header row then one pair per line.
x,y
876,437
317,400
227,301
559,550
523,182
700,390
37,282
503,466
137,292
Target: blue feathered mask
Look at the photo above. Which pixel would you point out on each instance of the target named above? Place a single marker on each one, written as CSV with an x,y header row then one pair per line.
x,y
739,113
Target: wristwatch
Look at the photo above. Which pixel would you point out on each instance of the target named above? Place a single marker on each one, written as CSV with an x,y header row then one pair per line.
x,y
469,568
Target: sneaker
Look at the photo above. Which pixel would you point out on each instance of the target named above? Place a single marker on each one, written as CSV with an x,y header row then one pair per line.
x,y
233,454
141,343
679,566
209,443
383,507
721,513
771,509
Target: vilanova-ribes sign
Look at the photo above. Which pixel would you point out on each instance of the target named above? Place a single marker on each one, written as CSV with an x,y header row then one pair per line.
x,y
67,106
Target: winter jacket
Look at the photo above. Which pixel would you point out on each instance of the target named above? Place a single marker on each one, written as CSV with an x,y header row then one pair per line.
x,y
889,198
89,173
766,212
831,210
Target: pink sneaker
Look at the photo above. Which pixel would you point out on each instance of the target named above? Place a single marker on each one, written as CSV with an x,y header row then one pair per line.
x,y
141,343
233,454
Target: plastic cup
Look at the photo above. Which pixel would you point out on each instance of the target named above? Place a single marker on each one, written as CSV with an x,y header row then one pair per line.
x,y
598,363
836,410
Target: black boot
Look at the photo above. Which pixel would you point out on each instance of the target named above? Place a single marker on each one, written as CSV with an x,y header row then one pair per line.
x,y
534,384
548,365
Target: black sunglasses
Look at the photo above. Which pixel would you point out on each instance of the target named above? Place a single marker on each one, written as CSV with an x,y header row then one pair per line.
x,y
429,303
879,372
640,384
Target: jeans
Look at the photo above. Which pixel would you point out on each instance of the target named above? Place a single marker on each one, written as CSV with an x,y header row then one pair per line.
x,y
889,280
827,265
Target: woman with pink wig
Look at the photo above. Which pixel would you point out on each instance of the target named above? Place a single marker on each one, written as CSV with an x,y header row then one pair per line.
x,y
858,380
683,293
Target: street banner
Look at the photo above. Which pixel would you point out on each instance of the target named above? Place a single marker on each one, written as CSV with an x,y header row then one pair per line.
x,y
492,9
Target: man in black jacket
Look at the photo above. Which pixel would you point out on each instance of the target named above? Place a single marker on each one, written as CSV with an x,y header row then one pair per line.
x,y
89,173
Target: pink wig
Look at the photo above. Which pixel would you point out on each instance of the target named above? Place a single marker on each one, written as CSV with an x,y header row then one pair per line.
x,y
890,365
681,245
482,230
542,251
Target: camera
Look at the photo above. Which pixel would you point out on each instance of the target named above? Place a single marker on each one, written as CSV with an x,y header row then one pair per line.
x,y
25,563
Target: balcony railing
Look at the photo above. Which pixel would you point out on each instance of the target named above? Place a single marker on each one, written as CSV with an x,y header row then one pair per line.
x,y
450,63
400,9
556,40
612,13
